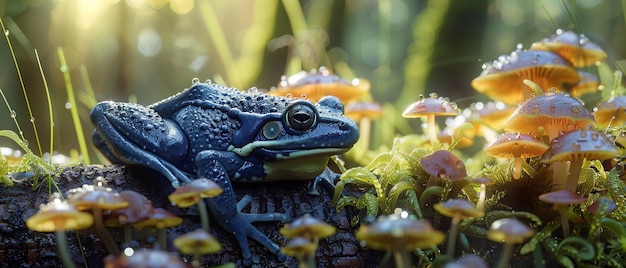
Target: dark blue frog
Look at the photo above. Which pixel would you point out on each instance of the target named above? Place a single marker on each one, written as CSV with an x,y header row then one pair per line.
x,y
224,134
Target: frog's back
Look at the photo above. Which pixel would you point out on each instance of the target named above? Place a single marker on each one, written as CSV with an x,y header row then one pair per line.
x,y
223,98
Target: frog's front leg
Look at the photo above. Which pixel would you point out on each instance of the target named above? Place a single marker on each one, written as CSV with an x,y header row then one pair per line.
x,y
215,165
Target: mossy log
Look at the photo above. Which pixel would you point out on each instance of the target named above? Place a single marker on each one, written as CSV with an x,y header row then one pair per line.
x,y
21,247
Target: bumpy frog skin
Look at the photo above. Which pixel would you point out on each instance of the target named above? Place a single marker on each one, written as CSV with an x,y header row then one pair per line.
x,y
210,131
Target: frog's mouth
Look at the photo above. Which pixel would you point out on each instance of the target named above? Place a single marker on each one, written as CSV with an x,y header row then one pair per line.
x,y
274,150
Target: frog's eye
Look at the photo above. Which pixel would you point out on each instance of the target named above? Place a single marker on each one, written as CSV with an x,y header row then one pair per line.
x,y
271,130
301,116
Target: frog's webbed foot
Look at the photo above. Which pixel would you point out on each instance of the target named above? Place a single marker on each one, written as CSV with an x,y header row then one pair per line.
x,y
263,217
327,179
227,211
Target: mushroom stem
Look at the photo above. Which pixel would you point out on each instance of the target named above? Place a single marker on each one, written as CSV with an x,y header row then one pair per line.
x,y
564,220
454,228
63,250
103,233
204,216
402,258
162,238
430,125
517,167
505,257
574,174
365,125
481,197
559,174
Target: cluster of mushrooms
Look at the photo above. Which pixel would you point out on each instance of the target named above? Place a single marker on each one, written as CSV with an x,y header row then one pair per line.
x,y
96,208
549,129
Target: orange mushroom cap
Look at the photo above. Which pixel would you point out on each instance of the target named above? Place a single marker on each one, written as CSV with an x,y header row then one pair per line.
x,y
580,144
502,79
319,83
509,230
191,193
433,105
552,113
589,83
611,112
458,208
96,195
160,219
577,48
357,110
509,145
197,242
492,114
58,215
396,233
307,226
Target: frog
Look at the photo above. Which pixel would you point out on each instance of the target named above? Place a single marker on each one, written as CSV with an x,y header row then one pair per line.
x,y
229,136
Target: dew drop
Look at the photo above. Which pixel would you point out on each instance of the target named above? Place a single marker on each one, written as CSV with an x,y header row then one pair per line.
x,y
208,81
195,81
433,95
63,68
575,146
32,119
6,32
68,105
253,90
13,114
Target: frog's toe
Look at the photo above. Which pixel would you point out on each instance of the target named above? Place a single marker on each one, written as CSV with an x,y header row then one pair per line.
x,y
265,217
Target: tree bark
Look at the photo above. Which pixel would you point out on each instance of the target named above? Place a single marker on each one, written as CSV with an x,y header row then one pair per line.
x,y
21,247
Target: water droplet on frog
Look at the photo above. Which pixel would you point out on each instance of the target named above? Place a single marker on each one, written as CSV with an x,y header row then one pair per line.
x,y
208,81
253,90
195,81
433,95
519,46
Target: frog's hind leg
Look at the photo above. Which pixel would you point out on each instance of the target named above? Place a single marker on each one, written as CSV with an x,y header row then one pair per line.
x,y
224,207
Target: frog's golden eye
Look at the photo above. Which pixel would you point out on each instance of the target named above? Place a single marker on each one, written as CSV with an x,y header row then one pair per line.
x,y
271,130
301,116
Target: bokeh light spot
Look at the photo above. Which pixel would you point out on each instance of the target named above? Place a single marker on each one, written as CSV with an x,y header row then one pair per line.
x,y
149,42
182,7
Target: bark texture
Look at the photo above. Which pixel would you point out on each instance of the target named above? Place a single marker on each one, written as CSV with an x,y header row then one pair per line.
x,y
21,247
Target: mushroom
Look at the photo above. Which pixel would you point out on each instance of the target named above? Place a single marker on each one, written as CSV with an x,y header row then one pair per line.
x,y
502,79
561,200
611,112
516,146
319,83
483,181
58,216
551,114
589,83
99,199
577,48
364,113
576,146
457,209
153,258
443,164
602,206
467,261
510,231
429,108
197,243
192,193
309,227
400,235
139,208
301,248
160,220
